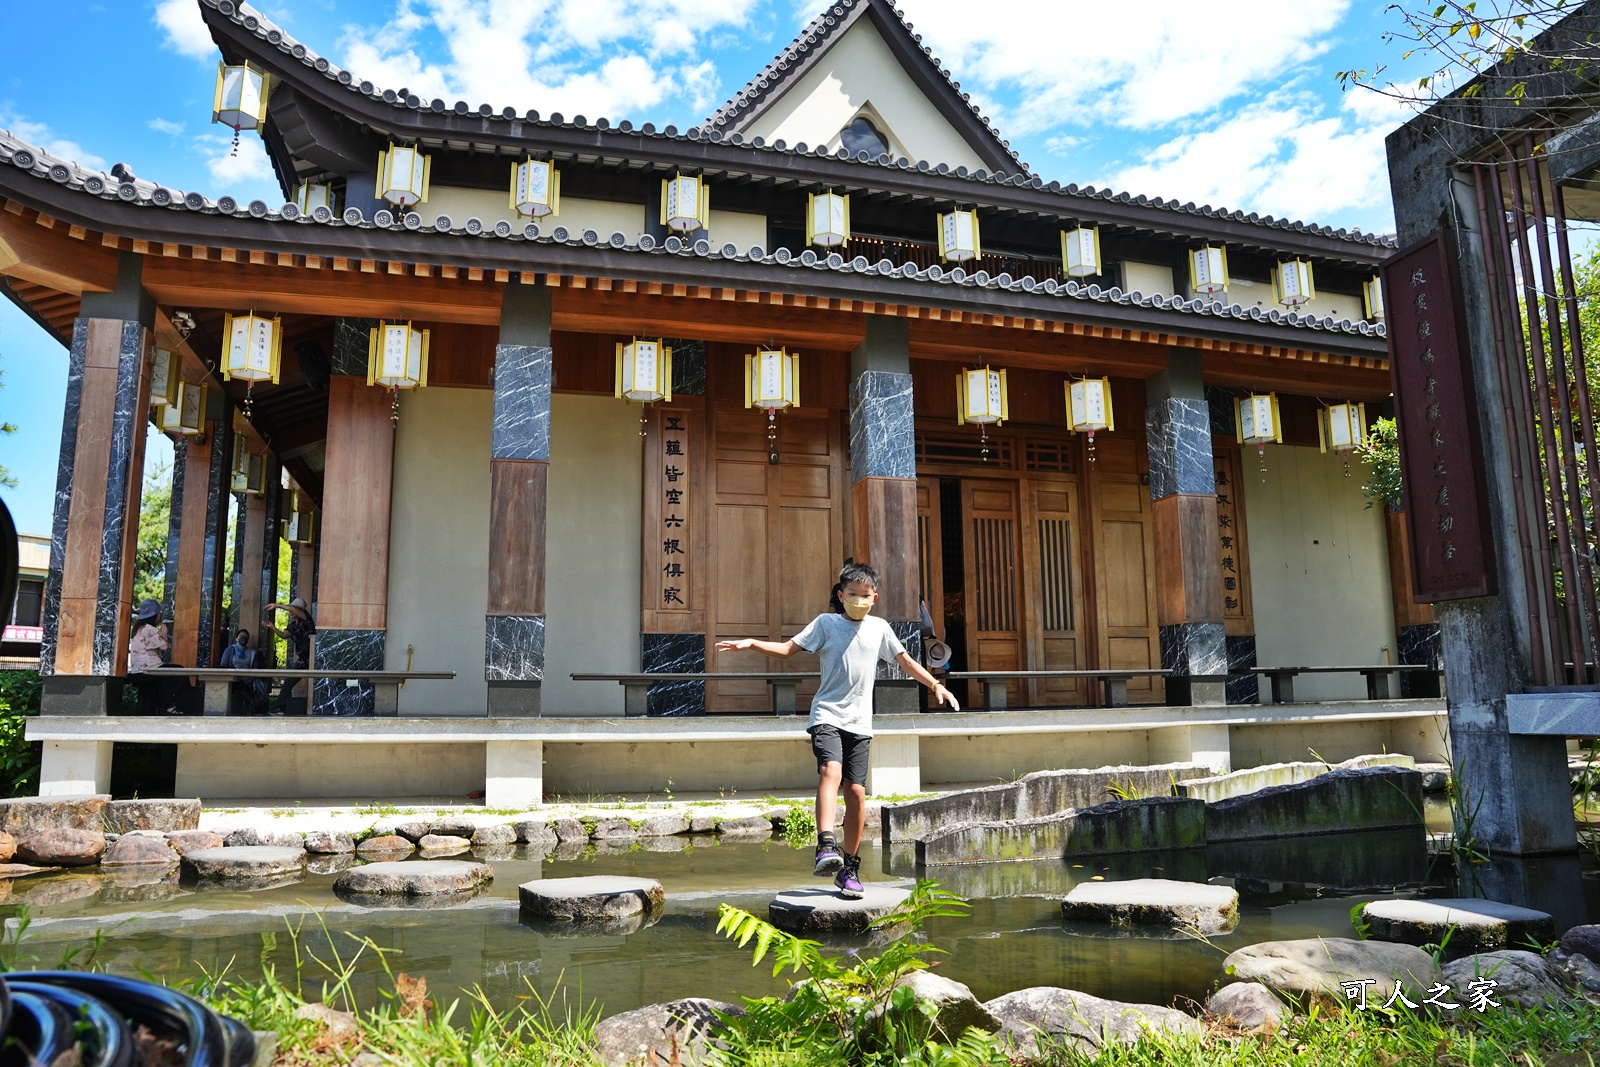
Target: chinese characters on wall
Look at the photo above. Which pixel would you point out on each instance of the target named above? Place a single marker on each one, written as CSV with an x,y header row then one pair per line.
x,y
1235,601
670,451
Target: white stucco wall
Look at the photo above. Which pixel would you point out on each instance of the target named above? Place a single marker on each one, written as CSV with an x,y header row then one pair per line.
x,y
439,547
604,217
739,228
1151,279
592,573
859,71
1263,295
1319,570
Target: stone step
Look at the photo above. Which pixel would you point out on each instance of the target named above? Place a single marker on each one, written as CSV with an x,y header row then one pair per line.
x,y
246,863
413,879
600,899
809,911
1472,925
1156,902
1371,798
1253,779
1152,824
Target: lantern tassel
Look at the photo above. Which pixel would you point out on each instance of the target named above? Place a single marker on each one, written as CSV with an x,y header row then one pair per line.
x,y
394,406
235,151
1091,446
249,401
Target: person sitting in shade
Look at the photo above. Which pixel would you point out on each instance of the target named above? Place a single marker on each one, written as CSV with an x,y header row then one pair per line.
x,y
298,633
239,656
146,645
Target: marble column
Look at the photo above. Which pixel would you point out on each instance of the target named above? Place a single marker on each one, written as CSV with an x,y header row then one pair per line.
x,y
169,582
197,540
883,492
519,463
268,561
94,532
1184,507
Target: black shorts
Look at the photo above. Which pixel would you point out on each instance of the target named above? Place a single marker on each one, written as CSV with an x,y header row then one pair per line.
x,y
833,745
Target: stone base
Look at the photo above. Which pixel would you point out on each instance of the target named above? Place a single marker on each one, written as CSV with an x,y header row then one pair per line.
x,y
515,700
1160,902
72,694
27,815
805,912
1471,925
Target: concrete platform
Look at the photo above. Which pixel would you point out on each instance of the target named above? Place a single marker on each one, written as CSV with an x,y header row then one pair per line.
x,y
1472,925
809,912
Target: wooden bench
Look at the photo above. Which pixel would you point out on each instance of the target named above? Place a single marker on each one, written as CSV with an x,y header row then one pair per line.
x,y
994,683
636,687
219,683
1379,686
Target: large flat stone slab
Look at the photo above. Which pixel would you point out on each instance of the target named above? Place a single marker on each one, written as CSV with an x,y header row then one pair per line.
x,y
28,815
1029,797
1161,902
164,815
1156,823
1311,969
592,899
1472,925
1371,798
823,911
413,878
1253,779
1079,1021
244,863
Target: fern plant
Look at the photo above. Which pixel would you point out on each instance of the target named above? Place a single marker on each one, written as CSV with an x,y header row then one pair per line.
x,y
857,1014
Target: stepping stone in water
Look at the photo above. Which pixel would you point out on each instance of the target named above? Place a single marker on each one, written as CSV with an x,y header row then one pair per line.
x,y
414,881
823,911
246,863
22,870
1478,924
598,899
444,843
1209,909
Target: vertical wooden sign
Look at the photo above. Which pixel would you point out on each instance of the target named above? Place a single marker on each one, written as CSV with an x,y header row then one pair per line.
x,y
1231,560
671,584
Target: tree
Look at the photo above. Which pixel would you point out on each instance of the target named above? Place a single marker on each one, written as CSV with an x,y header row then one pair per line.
x,y
155,516
7,479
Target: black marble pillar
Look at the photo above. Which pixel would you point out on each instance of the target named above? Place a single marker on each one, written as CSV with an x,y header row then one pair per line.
x,y
65,465
346,650
688,366
270,542
169,581
207,647
674,654
1421,644
351,342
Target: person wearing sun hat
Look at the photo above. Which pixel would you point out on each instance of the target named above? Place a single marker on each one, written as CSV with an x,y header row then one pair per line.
x,y
146,646
298,633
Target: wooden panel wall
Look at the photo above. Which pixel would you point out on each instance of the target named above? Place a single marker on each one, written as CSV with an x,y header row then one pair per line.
x,y
882,520
191,547
358,479
518,492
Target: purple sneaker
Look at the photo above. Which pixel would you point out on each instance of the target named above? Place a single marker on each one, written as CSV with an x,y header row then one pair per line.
x,y
829,859
848,881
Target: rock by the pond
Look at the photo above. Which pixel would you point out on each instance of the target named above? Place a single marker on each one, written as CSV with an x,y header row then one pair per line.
x,y
22,870
53,892
612,830
1119,826
1584,939
329,862
1470,924
1078,1020
412,831
674,843
1206,909
701,823
1247,1006
254,837
1578,971
569,829
664,825
595,898
388,845
244,862
824,911
746,826
1520,978
61,848
535,832
453,828
437,843
497,836
328,842
1369,798
27,815
414,878
958,1009
8,847
1435,777
1312,968
138,849
166,815
338,1025
186,841
678,1031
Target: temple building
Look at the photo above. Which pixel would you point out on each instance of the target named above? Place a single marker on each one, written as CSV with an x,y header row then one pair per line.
x,y
1088,430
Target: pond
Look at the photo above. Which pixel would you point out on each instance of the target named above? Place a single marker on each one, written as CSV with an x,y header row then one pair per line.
x,y
1014,936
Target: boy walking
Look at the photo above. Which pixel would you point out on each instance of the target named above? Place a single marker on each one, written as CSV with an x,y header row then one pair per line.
x,y
849,647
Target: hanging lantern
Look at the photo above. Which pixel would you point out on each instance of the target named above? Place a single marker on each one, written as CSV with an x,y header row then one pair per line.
x,y
164,378
403,175
535,189
297,526
249,468
310,195
1080,251
1208,270
1292,280
772,381
1259,424
827,219
1372,294
685,204
958,236
254,343
644,373
1342,428
1089,408
186,416
981,396
397,358
241,98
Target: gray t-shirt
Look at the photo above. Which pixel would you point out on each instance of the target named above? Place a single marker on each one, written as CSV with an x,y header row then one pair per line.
x,y
849,652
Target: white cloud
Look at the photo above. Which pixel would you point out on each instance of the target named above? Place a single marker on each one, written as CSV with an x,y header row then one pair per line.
x,y
166,126
39,135
232,171
186,31
1064,143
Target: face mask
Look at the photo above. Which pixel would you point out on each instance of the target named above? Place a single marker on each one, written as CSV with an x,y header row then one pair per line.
x,y
240,642
857,607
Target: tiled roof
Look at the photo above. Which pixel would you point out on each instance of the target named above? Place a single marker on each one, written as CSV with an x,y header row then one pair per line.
x,y
819,36
245,16
145,194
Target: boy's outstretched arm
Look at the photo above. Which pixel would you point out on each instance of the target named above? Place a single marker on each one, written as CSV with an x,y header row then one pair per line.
x,y
775,649
920,673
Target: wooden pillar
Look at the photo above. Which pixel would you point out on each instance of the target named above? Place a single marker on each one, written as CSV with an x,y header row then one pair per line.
x,y
352,609
1184,507
196,540
89,595
519,464
883,492
257,535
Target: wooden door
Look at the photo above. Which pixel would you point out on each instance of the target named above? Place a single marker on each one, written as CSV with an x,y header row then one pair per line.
x,y
1054,584
777,540
1124,566
989,514
930,551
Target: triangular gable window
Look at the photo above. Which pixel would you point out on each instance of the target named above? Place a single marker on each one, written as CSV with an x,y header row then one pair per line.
x,y
863,136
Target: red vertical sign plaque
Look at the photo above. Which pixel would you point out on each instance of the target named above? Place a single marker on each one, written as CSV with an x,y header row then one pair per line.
x,y
1440,458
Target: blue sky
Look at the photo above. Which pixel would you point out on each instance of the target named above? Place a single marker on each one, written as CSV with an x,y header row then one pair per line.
x,y
1229,103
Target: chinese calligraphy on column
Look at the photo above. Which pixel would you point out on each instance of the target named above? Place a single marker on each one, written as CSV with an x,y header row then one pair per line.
x,y
673,560
1235,598
1440,459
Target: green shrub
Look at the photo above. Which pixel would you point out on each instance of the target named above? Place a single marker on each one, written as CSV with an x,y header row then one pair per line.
x,y
19,759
